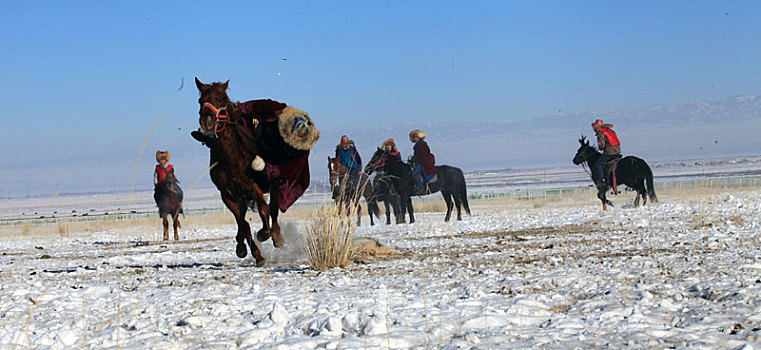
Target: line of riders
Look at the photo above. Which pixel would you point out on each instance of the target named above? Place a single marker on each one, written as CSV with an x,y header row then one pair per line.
x,y
262,147
422,160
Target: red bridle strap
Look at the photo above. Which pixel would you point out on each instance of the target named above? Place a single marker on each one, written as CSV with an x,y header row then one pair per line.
x,y
220,120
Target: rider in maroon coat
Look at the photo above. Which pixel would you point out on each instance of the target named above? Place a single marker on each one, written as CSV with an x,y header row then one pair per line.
x,y
284,136
423,159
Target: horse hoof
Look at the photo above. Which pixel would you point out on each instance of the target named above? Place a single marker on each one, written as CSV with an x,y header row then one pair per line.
x,y
262,235
279,241
260,262
240,250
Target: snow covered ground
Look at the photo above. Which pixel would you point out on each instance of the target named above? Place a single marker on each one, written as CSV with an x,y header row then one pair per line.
x,y
685,273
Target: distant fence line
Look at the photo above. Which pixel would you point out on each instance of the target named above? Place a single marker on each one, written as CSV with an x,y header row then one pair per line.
x,y
747,182
713,183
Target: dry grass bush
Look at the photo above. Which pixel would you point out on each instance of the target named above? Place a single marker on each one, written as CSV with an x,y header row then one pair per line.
x,y
329,234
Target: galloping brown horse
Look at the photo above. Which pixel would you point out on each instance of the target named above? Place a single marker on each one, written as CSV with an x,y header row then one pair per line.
x,y
344,191
230,160
168,198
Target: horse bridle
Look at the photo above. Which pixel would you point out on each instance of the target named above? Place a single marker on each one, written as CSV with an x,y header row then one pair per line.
x,y
220,120
381,162
586,154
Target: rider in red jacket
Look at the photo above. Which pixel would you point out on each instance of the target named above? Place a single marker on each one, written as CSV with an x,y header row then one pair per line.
x,y
607,141
163,166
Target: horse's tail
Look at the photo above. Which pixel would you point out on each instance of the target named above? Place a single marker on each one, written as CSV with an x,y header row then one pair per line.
x,y
464,196
650,188
460,189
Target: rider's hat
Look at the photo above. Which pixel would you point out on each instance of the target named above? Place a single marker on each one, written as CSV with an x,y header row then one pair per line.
x,y
389,142
297,129
162,155
417,133
597,124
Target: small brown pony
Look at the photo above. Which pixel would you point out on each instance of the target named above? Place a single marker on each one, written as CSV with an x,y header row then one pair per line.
x,y
230,159
168,198
344,191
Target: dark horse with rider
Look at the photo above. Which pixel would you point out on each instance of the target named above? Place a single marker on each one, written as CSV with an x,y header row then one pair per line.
x,y
256,147
420,177
609,170
167,193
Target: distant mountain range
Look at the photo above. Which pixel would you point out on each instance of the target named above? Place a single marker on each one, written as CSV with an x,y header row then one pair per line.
x,y
693,130
699,129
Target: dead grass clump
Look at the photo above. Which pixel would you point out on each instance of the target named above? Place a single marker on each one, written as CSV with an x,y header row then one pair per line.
x,y
329,234
737,219
365,250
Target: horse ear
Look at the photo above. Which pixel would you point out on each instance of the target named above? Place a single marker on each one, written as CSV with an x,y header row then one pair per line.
x,y
226,84
201,86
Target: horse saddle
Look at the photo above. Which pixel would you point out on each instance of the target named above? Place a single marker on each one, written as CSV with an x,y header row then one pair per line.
x,y
610,171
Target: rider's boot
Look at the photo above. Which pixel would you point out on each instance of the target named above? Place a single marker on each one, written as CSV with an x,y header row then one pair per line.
x,y
207,141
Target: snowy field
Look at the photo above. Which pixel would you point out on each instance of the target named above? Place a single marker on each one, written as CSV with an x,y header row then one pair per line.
x,y
557,273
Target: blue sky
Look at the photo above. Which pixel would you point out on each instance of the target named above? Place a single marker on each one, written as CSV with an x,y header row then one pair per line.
x,y
90,77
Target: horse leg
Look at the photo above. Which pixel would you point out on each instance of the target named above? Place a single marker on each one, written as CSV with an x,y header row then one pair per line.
x,y
165,223
458,204
388,211
402,210
244,230
176,224
370,212
398,209
601,196
410,210
642,191
277,238
447,199
359,214
264,215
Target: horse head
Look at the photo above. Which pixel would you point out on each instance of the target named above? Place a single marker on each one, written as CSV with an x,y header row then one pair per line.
x,y
336,170
216,108
171,181
376,162
584,152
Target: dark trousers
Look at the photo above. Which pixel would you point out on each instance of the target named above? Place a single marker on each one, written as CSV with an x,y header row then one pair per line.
x,y
597,168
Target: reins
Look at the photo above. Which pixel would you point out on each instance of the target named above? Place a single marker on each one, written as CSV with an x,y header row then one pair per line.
x,y
584,164
221,120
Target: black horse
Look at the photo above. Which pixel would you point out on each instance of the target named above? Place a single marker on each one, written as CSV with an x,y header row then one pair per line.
x,y
168,197
630,171
451,183
383,190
